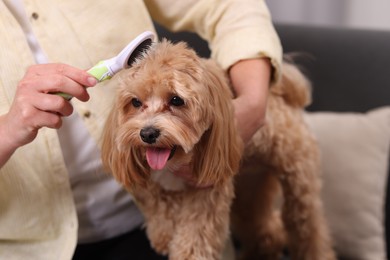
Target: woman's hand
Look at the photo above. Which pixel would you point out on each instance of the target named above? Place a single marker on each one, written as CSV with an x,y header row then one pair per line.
x,y
33,107
250,80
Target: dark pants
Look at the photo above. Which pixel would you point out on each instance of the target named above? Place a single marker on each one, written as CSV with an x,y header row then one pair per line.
x,y
131,246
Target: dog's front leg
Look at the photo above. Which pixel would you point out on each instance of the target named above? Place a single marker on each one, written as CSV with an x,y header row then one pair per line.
x,y
202,225
160,230
159,210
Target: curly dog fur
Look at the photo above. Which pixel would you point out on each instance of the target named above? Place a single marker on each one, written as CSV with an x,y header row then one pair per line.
x,y
173,111
282,156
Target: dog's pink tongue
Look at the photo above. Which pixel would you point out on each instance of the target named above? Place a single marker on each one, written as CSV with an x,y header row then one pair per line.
x,y
157,157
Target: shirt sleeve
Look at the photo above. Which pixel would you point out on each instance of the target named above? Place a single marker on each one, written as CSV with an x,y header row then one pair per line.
x,y
235,29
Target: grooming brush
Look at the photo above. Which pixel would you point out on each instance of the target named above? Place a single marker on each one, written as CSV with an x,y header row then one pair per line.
x,y
106,69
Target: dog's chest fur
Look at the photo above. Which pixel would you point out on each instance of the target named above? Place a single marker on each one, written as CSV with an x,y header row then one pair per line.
x,y
167,180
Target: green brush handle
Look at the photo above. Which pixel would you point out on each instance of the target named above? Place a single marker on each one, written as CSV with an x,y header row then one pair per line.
x,y
100,71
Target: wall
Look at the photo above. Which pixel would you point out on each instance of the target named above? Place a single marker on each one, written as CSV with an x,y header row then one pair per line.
x,y
363,14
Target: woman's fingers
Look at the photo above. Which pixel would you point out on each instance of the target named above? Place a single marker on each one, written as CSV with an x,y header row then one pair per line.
x,y
80,76
52,78
34,107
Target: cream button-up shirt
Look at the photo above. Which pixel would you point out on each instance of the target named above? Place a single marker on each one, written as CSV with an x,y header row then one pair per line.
x,y
37,213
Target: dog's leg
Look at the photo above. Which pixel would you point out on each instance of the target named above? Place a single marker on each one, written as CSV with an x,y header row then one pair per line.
x,y
256,224
202,226
160,229
303,218
296,157
158,209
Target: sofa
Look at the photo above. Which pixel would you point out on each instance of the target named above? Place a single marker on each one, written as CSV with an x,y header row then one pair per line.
x,y
350,117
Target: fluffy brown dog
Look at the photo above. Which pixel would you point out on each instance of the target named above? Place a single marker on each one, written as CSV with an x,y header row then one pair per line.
x,y
174,110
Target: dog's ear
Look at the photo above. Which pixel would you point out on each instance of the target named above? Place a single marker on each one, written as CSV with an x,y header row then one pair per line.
x,y
124,163
218,154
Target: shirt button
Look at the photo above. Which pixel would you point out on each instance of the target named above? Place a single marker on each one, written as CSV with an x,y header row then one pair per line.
x,y
35,16
87,114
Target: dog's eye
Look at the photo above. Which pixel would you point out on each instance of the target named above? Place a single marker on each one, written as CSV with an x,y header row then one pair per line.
x,y
136,102
176,101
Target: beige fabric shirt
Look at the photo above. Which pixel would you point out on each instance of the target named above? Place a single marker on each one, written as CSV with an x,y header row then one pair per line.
x,y
37,213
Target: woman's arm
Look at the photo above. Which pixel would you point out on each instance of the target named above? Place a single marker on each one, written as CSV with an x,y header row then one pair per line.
x,y
250,80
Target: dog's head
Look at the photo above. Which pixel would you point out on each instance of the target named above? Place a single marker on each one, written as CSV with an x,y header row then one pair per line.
x,y
173,108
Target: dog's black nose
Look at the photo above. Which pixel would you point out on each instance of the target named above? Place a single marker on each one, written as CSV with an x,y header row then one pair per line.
x,y
149,134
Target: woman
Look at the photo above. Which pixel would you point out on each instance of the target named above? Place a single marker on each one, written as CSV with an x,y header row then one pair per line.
x,y
54,194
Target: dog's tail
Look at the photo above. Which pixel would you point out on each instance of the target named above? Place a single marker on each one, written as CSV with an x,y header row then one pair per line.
x,y
293,86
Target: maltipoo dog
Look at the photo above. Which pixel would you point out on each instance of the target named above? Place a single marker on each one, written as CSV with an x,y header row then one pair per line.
x,y
173,111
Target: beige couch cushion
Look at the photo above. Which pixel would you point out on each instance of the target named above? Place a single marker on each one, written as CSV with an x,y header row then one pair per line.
x,y
355,163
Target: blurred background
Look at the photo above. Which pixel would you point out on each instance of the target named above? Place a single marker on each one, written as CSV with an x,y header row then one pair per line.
x,y
359,14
